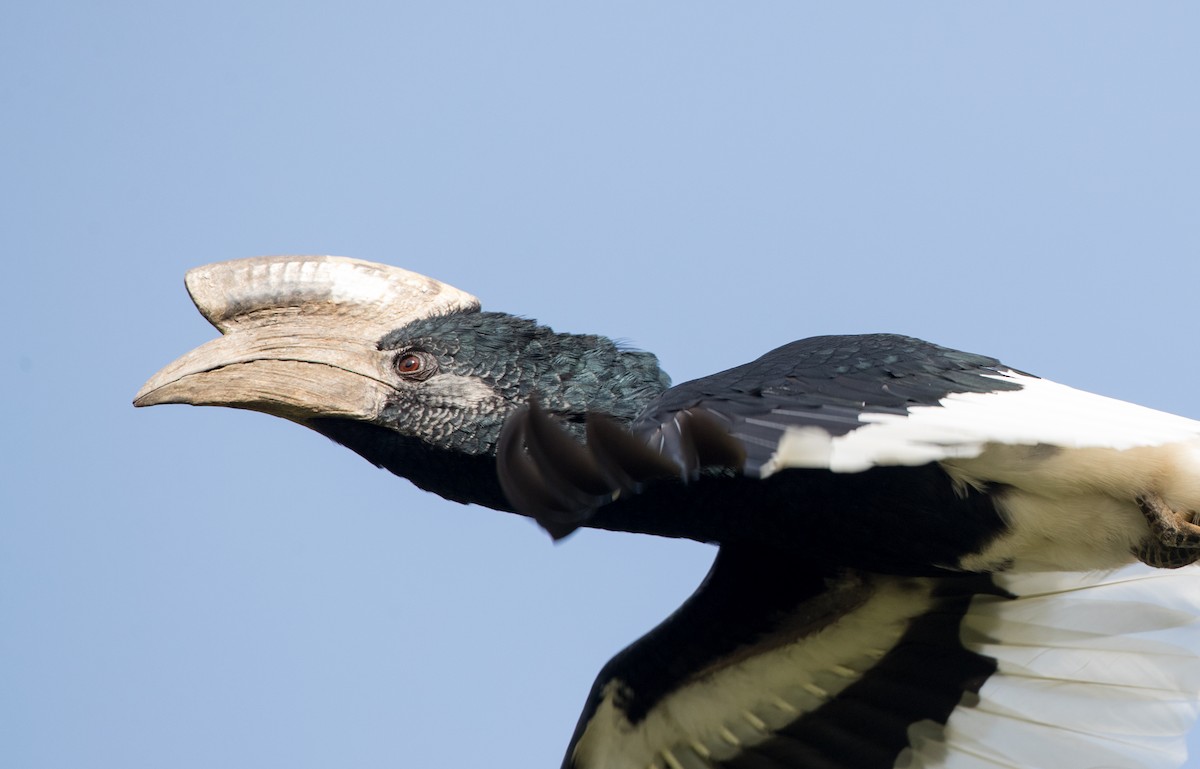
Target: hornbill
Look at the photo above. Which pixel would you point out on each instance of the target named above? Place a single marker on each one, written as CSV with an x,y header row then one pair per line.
x,y
904,530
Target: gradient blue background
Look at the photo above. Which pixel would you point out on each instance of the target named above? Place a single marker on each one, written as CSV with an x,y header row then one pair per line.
x,y
207,588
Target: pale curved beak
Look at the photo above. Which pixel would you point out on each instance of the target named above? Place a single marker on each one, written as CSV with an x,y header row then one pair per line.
x,y
288,374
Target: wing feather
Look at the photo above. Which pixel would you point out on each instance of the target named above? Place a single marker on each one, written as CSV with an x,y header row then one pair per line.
x,y
1043,671
883,399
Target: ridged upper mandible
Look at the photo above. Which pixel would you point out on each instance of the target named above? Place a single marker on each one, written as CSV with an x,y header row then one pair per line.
x,y
262,289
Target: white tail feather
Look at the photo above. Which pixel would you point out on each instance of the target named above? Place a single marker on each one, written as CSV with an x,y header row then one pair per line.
x,y
1096,671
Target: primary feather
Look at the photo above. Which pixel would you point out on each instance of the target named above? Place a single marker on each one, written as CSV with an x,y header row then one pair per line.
x,y
1093,670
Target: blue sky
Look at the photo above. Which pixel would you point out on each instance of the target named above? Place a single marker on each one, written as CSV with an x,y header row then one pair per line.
x,y
198,587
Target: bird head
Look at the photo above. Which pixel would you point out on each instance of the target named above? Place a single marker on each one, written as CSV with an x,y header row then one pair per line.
x,y
401,368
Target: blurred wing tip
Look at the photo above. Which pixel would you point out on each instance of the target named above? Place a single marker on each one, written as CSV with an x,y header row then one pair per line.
x,y
529,478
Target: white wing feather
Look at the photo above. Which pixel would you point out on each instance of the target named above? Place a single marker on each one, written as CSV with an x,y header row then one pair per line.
x,y
1096,671
1042,413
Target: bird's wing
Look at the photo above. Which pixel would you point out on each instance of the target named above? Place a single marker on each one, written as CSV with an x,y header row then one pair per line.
x,y
844,404
767,667
848,403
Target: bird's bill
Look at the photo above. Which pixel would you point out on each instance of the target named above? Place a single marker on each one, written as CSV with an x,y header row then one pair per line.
x,y
292,375
300,335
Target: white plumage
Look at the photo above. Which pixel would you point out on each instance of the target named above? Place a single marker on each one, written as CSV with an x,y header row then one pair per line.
x,y
1073,463
964,425
1096,671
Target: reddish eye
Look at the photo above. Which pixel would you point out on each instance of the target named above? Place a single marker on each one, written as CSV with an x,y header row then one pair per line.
x,y
410,364
416,365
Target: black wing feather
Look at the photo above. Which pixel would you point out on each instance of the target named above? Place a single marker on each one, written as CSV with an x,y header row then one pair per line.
x,y
757,601
730,422
827,382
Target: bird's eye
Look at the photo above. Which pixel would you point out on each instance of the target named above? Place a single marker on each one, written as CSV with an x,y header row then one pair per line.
x,y
409,364
415,365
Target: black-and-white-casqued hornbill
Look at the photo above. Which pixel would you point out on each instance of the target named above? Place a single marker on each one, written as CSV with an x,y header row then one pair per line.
x,y
908,535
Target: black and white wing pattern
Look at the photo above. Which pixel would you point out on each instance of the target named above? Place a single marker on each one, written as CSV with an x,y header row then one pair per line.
x,y
848,403
1074,478
769,667
827,388
900,583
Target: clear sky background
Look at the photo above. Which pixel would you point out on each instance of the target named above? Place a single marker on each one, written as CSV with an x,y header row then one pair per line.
x,y
198,588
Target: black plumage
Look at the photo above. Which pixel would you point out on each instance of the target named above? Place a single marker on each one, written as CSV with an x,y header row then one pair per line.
x,y
731,617
513,358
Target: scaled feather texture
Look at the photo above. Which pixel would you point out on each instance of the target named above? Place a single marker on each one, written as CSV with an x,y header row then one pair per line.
x,y
926,559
